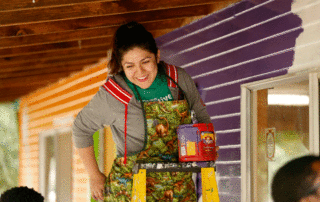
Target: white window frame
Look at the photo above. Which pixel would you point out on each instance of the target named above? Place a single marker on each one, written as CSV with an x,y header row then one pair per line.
x,y
42,139
246,139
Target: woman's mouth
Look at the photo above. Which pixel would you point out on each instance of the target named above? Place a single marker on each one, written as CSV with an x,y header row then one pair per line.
x,y
143,79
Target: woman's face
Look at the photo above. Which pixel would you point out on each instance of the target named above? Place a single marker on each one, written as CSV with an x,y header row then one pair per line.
x,y
140,66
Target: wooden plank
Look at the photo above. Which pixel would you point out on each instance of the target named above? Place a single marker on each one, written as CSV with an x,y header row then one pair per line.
x,y
50,91
48,120
161,32
43,83
66,68
92,9
51,111
68,95
33,69
17,91
77,35
4,98
32,65
52,55
108,31
77,24
12,93
27,50
80,28
31,80
34,84
23,4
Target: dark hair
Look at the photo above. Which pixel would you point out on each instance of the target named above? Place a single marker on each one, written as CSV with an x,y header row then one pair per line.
x,y
294,180
127,37
21,194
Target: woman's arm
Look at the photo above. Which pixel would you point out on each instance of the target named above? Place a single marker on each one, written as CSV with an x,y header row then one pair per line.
x,y
97,178
193,96
90,119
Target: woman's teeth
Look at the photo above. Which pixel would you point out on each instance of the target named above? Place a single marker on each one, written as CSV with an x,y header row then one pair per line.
x,y
142,78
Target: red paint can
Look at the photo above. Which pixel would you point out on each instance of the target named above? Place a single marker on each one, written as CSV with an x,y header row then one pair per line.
x,y
197,142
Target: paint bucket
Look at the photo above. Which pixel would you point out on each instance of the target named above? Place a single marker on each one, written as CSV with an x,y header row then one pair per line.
x,y
197,142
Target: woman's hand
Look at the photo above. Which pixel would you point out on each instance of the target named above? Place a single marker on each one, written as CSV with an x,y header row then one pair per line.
x,y
96,178
97,183
217,154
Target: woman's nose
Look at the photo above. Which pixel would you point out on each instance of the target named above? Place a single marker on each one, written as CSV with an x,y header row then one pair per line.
x,y
140,70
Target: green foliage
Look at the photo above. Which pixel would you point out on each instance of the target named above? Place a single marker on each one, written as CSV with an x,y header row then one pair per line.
x,y
9,146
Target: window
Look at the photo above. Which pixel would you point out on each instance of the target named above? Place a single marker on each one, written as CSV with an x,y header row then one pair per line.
x,y
274,131
56,165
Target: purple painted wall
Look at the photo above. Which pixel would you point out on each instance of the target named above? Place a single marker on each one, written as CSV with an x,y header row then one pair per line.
x,y
245,42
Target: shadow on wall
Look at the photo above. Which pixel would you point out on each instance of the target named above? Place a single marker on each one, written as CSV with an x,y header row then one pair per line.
x,y
9,145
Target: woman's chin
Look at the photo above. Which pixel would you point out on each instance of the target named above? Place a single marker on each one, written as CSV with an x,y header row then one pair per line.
x,y
144,86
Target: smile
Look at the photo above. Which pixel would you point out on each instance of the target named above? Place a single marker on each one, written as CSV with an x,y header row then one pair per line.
x,y
142,79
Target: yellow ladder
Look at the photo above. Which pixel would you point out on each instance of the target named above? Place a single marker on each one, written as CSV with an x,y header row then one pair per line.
x,y
139,188
209,186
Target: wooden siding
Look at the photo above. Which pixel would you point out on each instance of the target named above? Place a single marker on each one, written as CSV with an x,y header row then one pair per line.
x,y
56,107
248,41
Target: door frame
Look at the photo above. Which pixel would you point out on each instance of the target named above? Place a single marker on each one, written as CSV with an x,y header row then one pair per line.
x,y
246,124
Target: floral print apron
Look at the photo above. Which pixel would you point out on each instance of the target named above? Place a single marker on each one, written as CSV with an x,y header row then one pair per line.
x,y
161,145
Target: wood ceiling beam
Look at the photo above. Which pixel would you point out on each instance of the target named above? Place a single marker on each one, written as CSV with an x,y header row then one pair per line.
x,y
41,66
16,91
83,34
103,22
92,9
36,49
54,61
5,98
60,69
23,4
12,93
53,55
90,33
32,80
35,84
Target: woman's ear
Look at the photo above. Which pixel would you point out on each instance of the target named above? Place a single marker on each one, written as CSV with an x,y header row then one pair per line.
x,y
158,56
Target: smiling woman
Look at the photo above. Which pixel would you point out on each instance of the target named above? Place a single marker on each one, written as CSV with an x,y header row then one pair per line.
x,y
140,67
139,90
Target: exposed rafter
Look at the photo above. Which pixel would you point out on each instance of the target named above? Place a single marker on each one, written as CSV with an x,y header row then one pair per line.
x,y
44,41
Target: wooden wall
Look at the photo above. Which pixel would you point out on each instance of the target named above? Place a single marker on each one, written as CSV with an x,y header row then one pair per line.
x,y
55,107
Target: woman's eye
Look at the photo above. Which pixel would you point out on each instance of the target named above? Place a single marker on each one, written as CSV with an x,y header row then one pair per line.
x,y
144,62
129,66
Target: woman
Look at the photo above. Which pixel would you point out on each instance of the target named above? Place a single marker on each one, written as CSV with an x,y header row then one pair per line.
x,y
143,102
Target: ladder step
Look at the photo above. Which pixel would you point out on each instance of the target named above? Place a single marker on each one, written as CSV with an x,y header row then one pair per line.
x,y
209,185
139,188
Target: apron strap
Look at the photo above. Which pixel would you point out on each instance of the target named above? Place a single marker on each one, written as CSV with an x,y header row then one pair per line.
x,y
124,97
125,134
143,112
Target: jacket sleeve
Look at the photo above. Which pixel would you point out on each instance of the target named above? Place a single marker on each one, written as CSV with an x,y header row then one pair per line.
x,y
91,118
193,96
